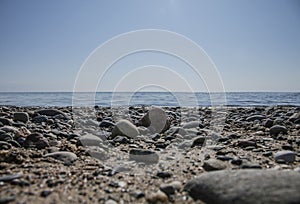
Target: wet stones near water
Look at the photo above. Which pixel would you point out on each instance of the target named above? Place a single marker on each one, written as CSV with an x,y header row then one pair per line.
x,y
246,186
143,155
66,157
21,116
125,128
285,156
255,117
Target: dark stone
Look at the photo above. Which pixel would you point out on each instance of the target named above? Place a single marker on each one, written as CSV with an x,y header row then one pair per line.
x,y
5,121
50,112
21,116
163,174
246,186
198,141
276,129
5,145
10,177
36,140
106,124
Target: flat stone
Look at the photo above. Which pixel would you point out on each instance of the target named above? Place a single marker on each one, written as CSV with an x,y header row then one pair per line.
x,y
21,116
276,129
213,165
255,117
125,128
10,177
5,121
50,112
143,155
285,156
246,186
66,157
155,120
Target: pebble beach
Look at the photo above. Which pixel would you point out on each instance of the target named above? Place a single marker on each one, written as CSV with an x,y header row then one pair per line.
x,y
147,154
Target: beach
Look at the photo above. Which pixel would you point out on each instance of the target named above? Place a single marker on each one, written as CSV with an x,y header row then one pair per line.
x,y
146,154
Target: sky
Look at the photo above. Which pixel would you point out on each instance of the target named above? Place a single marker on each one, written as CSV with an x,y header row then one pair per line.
x,y
254,45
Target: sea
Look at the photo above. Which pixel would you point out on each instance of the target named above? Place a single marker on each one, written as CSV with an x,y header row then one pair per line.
x,y
107,99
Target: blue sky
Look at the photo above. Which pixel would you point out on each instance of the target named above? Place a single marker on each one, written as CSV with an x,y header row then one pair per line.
x,y
255,45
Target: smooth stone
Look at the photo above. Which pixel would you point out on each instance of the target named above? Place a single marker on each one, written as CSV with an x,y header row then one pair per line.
x,y
164,174
158,197
5,137
36,140
276,129
155,120
171,188
21,116
246,143
125,128
90,140
191,124
213,165
285,156
10,177
255,117
198,141
294,117
106,124
5,121
246,186
40,119
143,155
50,112
66,157
10,129
5,145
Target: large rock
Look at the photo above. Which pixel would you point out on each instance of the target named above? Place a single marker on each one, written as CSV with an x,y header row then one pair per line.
x,y
246,186
155,120
125,128
36,140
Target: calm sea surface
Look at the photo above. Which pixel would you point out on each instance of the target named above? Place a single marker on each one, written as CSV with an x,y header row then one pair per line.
x,y
150,98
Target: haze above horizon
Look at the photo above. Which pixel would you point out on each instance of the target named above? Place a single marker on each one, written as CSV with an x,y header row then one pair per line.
x,y
254,44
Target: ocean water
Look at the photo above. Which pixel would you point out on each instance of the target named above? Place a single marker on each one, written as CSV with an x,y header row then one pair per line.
x,y
150,98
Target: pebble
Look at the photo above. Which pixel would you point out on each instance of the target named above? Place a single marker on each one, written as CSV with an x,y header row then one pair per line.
x,y
285,156
5,145
198,141
10,177
157,197
50,112
171,188
155,120
246,186
36,140
90,140
106,124
66,157
143,155
255,117
213,165
276,129
21,116
125,128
